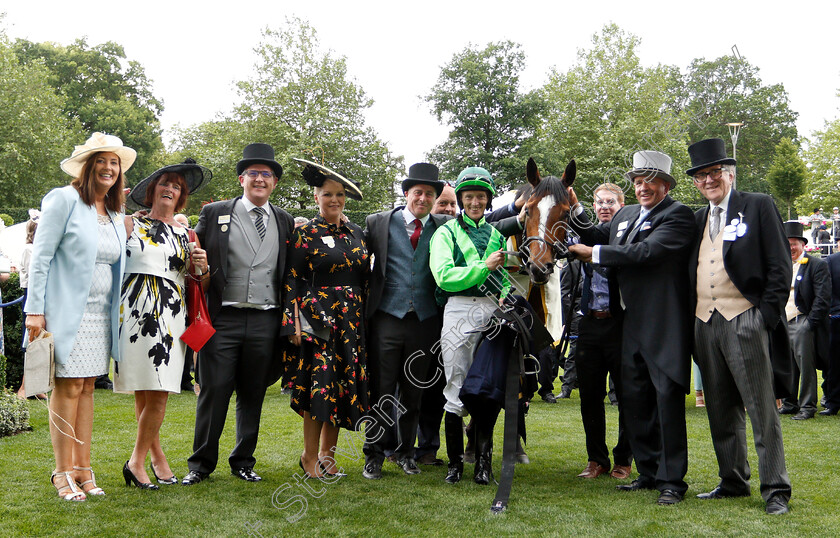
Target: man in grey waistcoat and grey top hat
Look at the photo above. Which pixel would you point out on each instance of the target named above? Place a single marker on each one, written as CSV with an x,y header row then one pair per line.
x,y
247,240
740,272
404,320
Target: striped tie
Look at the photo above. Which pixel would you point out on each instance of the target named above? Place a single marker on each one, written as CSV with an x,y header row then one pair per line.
x,y
259,222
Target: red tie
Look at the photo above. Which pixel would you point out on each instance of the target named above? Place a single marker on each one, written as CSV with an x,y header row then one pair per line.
x,y
415,237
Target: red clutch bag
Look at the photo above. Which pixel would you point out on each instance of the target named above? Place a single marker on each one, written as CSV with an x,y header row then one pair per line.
x,y
199,329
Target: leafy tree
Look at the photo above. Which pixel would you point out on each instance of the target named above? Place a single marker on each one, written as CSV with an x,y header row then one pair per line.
x,y
103,91
787,174
34,133
304,103
608,106
823,183
493,123
729,89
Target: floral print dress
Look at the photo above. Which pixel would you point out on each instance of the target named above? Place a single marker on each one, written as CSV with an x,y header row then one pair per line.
x,y
329,268
153,308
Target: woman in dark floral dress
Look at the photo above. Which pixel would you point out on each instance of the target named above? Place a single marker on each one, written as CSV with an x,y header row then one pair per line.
x,y
325,312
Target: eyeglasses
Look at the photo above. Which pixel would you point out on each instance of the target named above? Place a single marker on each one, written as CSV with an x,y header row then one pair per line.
x,y
254,174
700,177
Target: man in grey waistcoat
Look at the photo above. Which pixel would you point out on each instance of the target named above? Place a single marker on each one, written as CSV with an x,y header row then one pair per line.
x,y
246,240
404,321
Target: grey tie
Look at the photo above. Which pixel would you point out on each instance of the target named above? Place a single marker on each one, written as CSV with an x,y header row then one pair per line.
x,y
259,222
714,228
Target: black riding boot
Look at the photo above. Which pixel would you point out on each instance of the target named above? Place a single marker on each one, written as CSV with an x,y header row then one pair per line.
x,y
483,453
469,451
454,431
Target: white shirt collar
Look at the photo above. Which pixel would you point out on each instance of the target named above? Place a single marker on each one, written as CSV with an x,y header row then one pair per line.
x,y
724,204
249,205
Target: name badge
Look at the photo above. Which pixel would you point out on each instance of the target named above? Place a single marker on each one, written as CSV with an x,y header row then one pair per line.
x,y
645,226
622,225
328,240
729,232
619,234
224,219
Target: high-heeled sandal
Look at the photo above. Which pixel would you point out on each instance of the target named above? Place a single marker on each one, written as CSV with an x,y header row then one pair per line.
x,y
323,469
131,479
95,490
75,493
165,481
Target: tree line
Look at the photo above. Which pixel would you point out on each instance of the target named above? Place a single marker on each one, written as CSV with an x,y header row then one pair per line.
x,y
302,100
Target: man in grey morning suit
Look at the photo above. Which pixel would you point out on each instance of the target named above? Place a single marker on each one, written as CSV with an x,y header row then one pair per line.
x,y
246,240
741,272
404,317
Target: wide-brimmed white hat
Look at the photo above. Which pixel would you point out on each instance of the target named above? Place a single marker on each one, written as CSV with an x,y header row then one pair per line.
x,y
98,142
651,164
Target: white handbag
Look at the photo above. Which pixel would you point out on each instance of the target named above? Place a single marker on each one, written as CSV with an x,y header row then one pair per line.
x,y
39,365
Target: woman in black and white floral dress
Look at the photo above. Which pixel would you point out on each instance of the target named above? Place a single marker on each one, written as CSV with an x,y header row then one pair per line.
x,y
153,311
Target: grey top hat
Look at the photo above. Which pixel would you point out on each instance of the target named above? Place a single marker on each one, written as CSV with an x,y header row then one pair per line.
x,y
651,164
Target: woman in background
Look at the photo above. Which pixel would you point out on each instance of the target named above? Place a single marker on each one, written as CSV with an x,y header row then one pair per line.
x,y
25,258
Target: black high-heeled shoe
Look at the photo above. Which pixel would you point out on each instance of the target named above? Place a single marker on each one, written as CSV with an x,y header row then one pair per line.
x,y
131,479
165,481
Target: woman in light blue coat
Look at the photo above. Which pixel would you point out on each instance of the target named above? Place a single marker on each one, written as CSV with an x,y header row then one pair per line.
x,y
74,293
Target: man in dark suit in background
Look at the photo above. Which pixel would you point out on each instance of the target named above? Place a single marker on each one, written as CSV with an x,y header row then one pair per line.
x,y
807,315
831,386
740,273
599,351
246,240
404,320
648,246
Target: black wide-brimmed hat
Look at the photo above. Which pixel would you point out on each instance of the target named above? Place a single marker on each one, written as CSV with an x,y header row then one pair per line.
x,y
259,154
423,174
794,229
315,174
194,174
707,153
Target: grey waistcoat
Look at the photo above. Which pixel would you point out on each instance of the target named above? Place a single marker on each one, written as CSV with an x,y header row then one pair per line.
x,y
408,279
252,275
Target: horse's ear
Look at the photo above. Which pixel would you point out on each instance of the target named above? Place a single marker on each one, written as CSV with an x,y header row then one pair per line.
x,y
570,173
532,173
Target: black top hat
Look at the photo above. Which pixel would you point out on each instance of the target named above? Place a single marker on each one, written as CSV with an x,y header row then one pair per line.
x,y
194,174
423,174
315,174
794,229
259,154
706,153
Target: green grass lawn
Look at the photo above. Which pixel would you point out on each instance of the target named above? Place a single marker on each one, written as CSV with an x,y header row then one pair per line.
x,y
547,498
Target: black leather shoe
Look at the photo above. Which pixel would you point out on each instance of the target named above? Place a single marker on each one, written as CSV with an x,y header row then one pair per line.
x,y
803,415
171,481
194,477
483,470
668,497
720,493
409,466
777,505
372,470
788,410
246,473
829,412
565,394
454,473
635,485
549,397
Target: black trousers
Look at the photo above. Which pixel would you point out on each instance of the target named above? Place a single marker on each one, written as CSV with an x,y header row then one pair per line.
x,y
598,354
832,381
654,413
237,358
400,355
431,413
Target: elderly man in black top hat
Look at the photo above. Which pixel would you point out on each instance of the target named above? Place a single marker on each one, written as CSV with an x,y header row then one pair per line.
x,y
740,274
404,320
806,310
247,240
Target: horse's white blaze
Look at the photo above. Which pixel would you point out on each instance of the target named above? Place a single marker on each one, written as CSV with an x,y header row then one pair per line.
x,y
545,206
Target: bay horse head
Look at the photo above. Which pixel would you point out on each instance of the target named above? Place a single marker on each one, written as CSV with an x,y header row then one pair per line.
x,y
546,221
